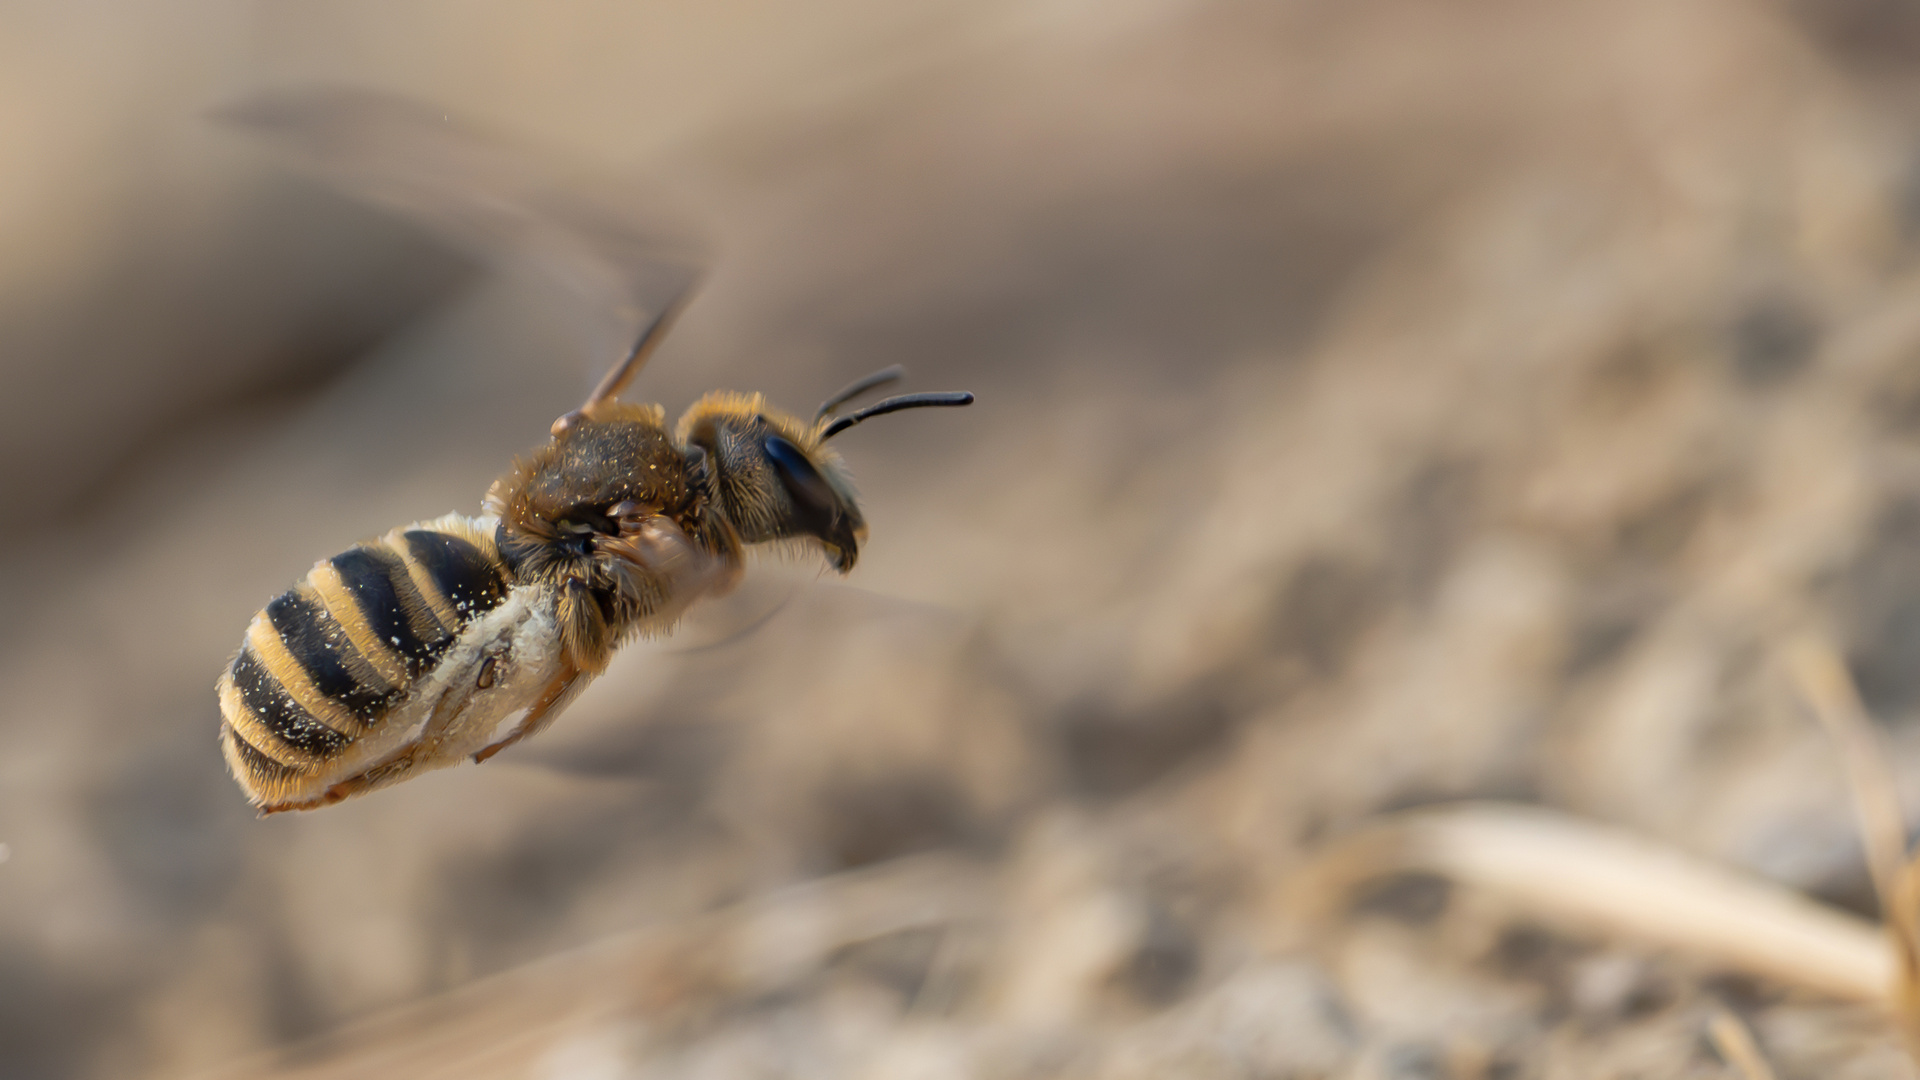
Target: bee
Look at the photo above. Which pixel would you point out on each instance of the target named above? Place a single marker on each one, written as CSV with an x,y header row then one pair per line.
x,y
455,638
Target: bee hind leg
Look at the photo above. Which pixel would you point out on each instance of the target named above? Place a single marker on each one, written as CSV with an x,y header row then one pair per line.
x,y
421,754
396,768
424,752
544,710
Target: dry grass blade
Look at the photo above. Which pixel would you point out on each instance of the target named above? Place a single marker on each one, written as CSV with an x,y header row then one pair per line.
x,y
1608,880
1830,692
1824,682
1735,1043
1611,881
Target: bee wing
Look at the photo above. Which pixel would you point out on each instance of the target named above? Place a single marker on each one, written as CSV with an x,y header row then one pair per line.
x,y
481,193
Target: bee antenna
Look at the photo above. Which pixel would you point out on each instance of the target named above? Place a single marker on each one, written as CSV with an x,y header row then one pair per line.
x,y
857,387
943,399
622,373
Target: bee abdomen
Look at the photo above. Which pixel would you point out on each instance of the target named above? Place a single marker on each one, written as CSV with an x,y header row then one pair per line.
x,y
262,776
393,605
468,580
270,708
315,641
326,660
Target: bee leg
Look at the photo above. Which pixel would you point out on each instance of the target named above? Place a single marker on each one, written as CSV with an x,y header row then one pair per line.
x,y
541,714
353,785
423,750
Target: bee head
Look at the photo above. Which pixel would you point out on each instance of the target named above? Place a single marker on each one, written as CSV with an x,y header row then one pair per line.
x,y
773,476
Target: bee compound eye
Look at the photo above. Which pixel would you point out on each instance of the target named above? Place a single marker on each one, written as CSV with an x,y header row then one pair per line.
x,y
487,672
802,481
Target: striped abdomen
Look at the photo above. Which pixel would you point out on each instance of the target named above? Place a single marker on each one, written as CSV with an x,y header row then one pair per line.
x,y
325,661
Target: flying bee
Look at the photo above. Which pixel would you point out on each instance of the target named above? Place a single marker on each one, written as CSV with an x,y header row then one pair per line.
x,y
454,638
420,649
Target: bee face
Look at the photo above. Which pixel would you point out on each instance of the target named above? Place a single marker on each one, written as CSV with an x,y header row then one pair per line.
x,y
773,476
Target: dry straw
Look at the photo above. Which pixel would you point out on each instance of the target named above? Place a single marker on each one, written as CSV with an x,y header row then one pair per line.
x,y
1612,881
1735,1043
1829,691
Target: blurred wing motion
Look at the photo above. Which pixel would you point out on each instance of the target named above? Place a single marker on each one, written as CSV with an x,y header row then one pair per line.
x,y
484,195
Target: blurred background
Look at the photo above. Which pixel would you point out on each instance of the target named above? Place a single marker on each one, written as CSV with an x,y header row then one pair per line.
x,y
1380,404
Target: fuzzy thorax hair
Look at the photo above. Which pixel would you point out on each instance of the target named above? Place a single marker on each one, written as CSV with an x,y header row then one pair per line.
x,y
609,514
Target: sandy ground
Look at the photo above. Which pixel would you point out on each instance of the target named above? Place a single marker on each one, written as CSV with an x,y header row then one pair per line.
x,y
1381,405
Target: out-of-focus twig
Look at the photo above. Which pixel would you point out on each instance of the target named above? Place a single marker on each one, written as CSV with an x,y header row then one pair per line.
x,y
1829,690
1613,881
1735,1043
1823,680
